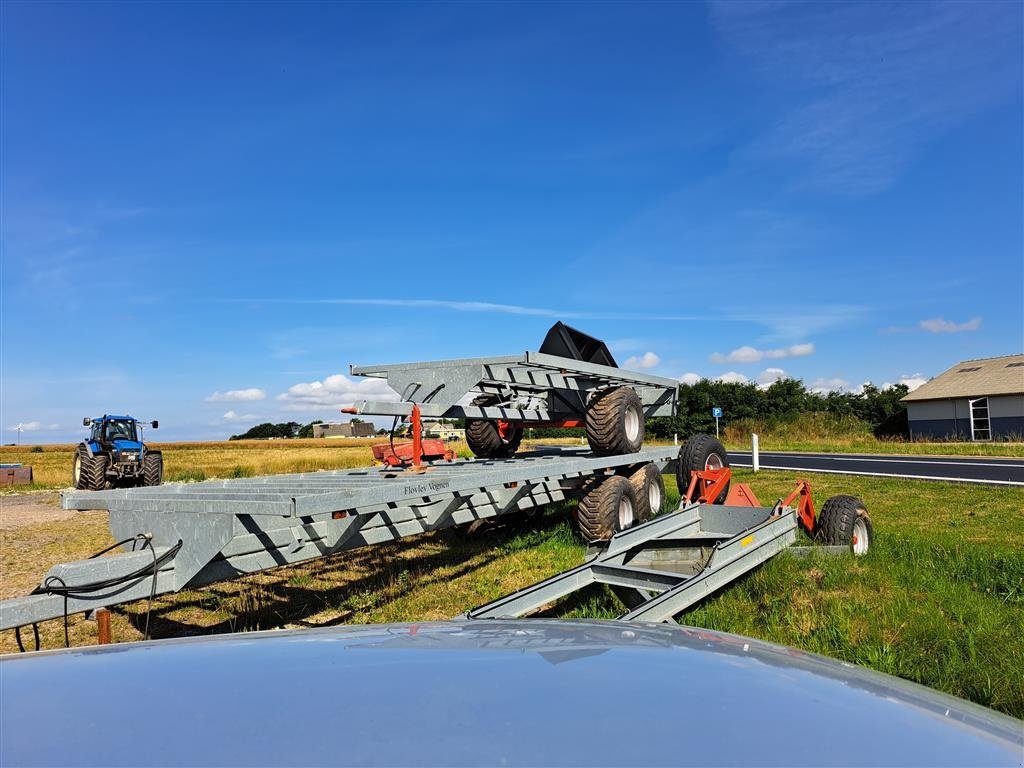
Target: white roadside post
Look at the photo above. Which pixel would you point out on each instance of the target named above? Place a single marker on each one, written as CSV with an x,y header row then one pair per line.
x,y
755,444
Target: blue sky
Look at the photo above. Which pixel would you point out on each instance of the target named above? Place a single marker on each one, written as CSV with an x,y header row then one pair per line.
x,y
210,211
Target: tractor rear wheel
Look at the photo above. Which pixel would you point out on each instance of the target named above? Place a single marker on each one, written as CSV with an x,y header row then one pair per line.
x,y
153,468
698,453
649,489
844,521
489,439
607,508
615,422
89,472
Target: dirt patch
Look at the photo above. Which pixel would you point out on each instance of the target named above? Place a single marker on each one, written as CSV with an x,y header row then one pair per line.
x,y
30,509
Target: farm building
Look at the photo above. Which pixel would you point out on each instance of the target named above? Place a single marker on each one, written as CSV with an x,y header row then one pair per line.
x,y
349,429
973,400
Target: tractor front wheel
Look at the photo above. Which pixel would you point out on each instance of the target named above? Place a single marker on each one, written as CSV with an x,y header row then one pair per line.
x,y
153,468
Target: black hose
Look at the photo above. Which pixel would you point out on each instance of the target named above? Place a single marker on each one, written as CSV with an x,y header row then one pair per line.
x,y
55,585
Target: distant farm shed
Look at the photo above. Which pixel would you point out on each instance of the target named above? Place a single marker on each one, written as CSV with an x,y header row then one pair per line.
x,y
973,400
348,429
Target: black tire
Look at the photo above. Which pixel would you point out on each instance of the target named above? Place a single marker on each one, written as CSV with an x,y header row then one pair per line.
x,y
152,468
698,453
649,489
844,521
615,422
601,514
89,472
485,439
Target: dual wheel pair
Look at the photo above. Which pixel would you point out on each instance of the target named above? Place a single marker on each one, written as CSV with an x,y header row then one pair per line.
x,y
89,471
616,502
614,423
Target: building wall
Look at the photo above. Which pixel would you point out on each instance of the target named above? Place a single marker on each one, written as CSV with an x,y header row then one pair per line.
x,y
951,419
1006,412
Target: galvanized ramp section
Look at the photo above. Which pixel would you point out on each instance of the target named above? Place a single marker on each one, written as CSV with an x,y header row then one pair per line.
x,y
666,565
220,529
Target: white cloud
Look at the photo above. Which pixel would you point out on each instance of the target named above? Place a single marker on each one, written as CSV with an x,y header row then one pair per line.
x,y
938,325
642,362
237,396
335,391
747,354
732,377
769,376
824,386
232,416
33,426
690,378
913,380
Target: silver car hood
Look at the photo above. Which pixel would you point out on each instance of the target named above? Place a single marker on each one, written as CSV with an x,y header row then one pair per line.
x,y
531,692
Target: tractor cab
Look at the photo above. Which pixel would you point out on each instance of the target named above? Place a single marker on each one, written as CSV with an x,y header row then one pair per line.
x,y
116,431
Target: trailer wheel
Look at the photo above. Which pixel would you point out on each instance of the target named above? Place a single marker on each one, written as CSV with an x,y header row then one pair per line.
x,y
152,468
89,473
607,508
844,521
615,422
649,489
698,453
492,439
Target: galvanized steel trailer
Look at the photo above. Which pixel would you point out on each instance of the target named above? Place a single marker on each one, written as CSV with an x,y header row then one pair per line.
x,y
192,534
664,566
719,532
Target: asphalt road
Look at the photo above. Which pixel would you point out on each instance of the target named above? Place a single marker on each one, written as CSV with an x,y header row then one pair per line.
x,y
965,469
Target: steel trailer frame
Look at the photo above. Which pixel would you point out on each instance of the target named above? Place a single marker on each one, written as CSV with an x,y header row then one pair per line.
x,y
531,387
193,534
666,565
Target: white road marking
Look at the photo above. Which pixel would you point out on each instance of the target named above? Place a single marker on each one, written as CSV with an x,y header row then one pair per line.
x,y
889,474
830,457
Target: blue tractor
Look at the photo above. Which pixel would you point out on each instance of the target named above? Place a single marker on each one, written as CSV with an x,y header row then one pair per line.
x,y
114,456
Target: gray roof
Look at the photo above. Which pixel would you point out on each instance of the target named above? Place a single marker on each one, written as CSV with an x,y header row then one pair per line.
x,y
975,378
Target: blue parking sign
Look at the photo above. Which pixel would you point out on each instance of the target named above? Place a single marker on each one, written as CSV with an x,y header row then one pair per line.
x,y
716,413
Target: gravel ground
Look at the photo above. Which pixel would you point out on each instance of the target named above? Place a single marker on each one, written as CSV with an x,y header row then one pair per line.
x,y
31,508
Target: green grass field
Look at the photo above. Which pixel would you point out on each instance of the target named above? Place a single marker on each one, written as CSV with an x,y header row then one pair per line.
x,y
939,600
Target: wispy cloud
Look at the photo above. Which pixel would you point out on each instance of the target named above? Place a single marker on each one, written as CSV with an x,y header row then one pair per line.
x,y
472,306
938,325
747,354
237,395
870,83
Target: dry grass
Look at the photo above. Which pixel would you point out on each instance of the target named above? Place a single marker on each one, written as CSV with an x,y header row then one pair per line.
x,y
51,467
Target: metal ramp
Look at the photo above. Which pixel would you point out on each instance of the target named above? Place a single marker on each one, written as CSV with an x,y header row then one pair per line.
x,y
664,566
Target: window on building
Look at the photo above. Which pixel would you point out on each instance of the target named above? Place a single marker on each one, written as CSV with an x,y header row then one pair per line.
x,y
979,419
